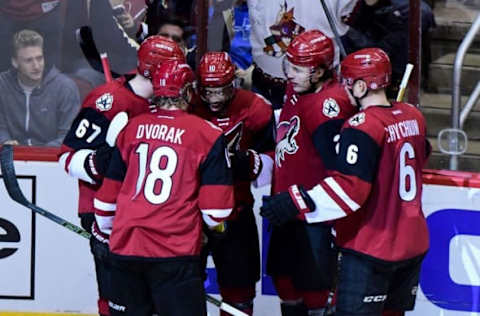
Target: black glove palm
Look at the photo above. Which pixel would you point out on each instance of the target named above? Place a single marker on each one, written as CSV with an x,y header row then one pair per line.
x,y
281,208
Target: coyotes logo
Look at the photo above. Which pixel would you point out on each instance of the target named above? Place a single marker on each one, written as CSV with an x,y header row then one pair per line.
x,y
286,132
233,137
283,32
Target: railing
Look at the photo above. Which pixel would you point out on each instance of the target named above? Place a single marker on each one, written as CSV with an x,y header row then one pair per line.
x,y
456,97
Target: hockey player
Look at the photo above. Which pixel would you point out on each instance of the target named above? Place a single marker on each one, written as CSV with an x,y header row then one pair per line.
x,y
248,125
374,195
303,267
169,169
84,153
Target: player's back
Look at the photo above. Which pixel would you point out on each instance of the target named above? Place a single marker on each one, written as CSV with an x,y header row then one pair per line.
x,y
158,212
89,129
392,215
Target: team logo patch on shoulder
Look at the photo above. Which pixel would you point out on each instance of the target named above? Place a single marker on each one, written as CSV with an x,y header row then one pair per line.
x,y
104,102
357,119
331,108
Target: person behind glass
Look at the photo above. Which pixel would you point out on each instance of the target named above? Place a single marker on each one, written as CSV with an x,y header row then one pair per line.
x,y
300,258
37,107
85,155
247,122
373,194
47,17
274,24
384,24
169,174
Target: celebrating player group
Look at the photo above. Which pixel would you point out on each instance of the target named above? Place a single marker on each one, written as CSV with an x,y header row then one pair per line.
x,y
165,161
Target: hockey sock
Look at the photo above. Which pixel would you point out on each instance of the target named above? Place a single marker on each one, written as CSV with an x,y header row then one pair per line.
x,y
103,307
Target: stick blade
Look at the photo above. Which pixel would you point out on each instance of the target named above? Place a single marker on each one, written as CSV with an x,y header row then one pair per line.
x,y
9,176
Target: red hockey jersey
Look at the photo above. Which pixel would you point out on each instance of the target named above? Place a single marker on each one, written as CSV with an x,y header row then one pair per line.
x,y
168,170
377,184
307,132
89,129
246,119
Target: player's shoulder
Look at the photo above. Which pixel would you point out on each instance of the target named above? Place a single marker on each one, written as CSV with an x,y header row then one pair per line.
x,y
111,98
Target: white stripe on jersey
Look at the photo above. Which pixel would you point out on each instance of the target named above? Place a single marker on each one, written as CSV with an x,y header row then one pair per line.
x,y
75,167
326,209
341,194
220,213
104,206
104,223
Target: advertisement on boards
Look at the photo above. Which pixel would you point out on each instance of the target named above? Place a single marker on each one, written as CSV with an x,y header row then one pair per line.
x,y
46,268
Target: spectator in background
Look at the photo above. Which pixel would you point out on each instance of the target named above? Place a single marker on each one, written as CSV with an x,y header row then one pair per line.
x,y
384,24
46,17
274,24
36,106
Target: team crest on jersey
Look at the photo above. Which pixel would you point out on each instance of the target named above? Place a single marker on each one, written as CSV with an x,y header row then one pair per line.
x,y
331,108
286,132
357,119
104,102
233,137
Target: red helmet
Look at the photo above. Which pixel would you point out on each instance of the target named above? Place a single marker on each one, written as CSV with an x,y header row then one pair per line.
x,y
216,70
372,65
312,49
171,79
154,50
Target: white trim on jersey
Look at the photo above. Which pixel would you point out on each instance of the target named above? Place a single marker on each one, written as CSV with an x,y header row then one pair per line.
x,y
104,206
220,213
341,194
210,221
104,223
326,209
265,176
75,167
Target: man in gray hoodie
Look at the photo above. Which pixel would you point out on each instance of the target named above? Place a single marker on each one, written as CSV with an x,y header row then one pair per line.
x,y
36,107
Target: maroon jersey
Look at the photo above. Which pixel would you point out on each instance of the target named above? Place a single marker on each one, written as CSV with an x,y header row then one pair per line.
x,y
245,122
306,134
377,184
27,9
89,129
169,169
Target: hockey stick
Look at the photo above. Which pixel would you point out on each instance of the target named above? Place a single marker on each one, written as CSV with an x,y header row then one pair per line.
x,y
403,84
334,29
16,194
85,39
14,191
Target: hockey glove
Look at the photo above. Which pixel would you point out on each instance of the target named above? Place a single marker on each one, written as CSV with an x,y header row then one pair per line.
x,y
216,233
246,165
285,206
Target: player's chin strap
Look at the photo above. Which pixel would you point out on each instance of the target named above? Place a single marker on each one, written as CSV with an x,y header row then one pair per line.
x,y
11,184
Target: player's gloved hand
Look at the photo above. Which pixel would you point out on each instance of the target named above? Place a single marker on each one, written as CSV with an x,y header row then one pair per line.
x,y
217,232
285,206
101,158
97,162
246,165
